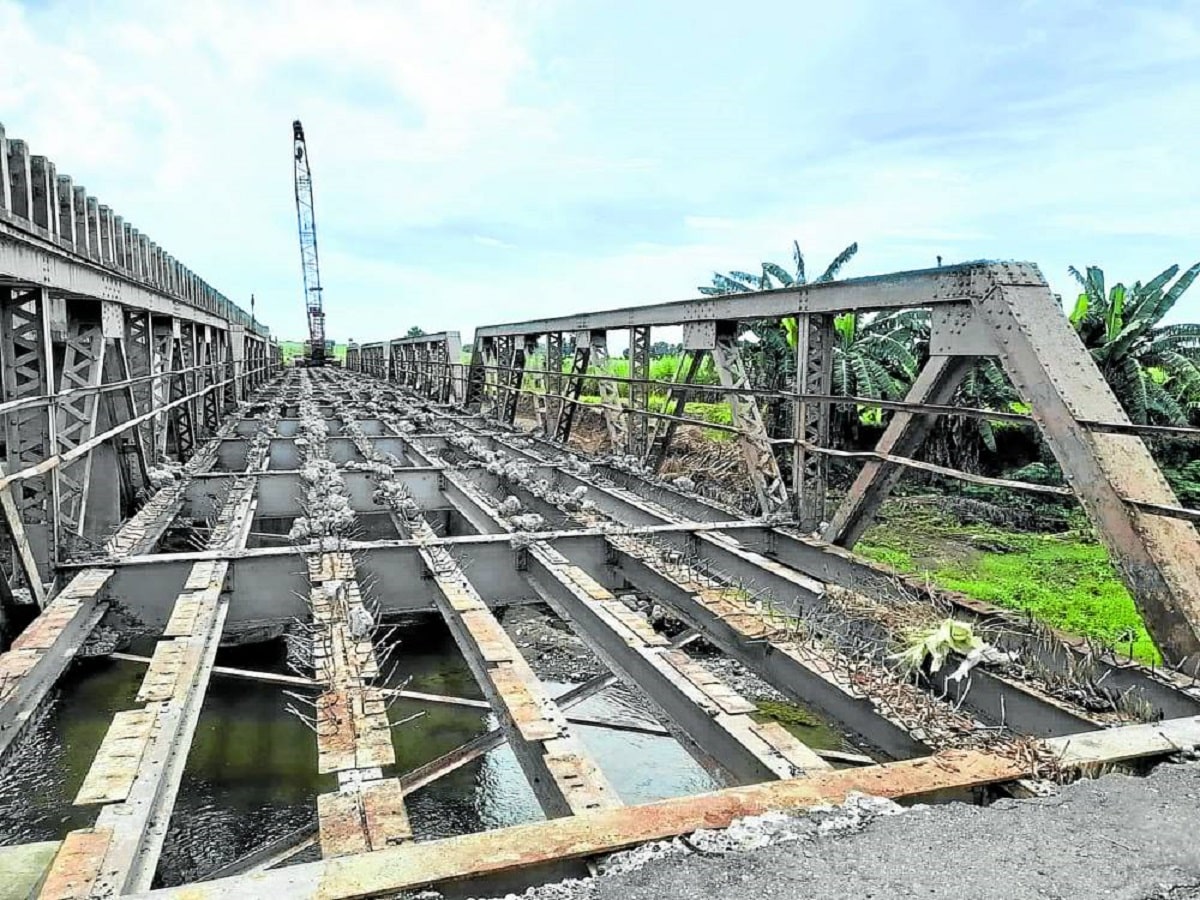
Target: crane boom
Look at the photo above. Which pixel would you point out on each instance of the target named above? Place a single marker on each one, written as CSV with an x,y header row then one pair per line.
x,y
307,224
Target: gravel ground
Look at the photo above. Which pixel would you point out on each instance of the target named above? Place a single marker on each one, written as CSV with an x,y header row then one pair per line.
x,y
1119,837
552,651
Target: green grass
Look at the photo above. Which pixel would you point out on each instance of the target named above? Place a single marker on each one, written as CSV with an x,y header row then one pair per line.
x,y
717,413
1065,580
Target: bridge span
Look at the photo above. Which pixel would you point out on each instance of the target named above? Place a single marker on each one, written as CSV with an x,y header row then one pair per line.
x,y
169,489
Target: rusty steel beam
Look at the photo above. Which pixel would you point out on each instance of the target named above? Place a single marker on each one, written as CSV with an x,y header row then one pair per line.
x,y
560,771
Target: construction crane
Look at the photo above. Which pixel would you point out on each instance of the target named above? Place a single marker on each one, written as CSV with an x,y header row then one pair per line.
x,y
306,220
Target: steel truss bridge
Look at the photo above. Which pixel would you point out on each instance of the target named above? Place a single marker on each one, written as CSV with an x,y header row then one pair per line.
x,y
116,360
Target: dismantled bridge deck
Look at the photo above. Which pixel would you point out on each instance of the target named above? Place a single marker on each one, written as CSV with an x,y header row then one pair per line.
x,y
329,507
538,524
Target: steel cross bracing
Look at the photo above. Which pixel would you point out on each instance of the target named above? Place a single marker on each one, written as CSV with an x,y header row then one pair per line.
x,y
93,378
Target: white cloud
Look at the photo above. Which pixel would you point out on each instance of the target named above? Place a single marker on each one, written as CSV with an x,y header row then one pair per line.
x,y
616,159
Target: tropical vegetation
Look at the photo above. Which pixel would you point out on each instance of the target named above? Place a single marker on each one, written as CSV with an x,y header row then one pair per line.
x,y
1154,369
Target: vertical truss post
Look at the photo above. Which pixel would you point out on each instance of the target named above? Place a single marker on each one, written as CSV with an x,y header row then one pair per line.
x,y
514,375
163,339
537,383
476,376
225,358
121,404
810,420
237,361
451,358
761,465
399,367
82,372
554,382
610,394
493,351
421,363
138,352
662,431
187,355
573,387
28,372
212,412
935,383
181,416
637,425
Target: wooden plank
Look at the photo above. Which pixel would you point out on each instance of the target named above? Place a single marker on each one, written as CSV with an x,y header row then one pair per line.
x,y
339,823
77,864
494,644
383,812
116,764
789,746
1131,742
709,684
163,672
183,616
527,713
202,576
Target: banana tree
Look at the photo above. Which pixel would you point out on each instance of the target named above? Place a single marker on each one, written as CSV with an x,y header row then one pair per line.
x,y
1154,369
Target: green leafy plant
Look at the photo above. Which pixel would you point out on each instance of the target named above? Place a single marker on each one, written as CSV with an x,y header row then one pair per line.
x,y
1153,369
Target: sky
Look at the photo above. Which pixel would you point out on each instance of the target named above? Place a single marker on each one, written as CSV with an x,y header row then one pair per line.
x,y
485,162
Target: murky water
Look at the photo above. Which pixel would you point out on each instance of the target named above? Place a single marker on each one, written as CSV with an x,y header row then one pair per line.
x,y
251,774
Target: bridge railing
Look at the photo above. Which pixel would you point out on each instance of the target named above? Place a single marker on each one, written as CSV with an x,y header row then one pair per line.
x,y
39,202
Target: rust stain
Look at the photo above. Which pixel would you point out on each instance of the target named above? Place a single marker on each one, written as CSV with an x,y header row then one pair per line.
x,y
340,825
383,813
76,865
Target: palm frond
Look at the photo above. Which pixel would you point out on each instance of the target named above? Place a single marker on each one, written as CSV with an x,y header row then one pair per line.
x,y
779,273
1176,290
840,260
798,259
1132,389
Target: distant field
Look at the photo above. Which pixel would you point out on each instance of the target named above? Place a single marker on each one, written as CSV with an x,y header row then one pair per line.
x,y
296,348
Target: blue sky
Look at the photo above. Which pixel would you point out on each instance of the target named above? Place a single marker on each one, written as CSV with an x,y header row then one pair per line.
x,y
492,161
